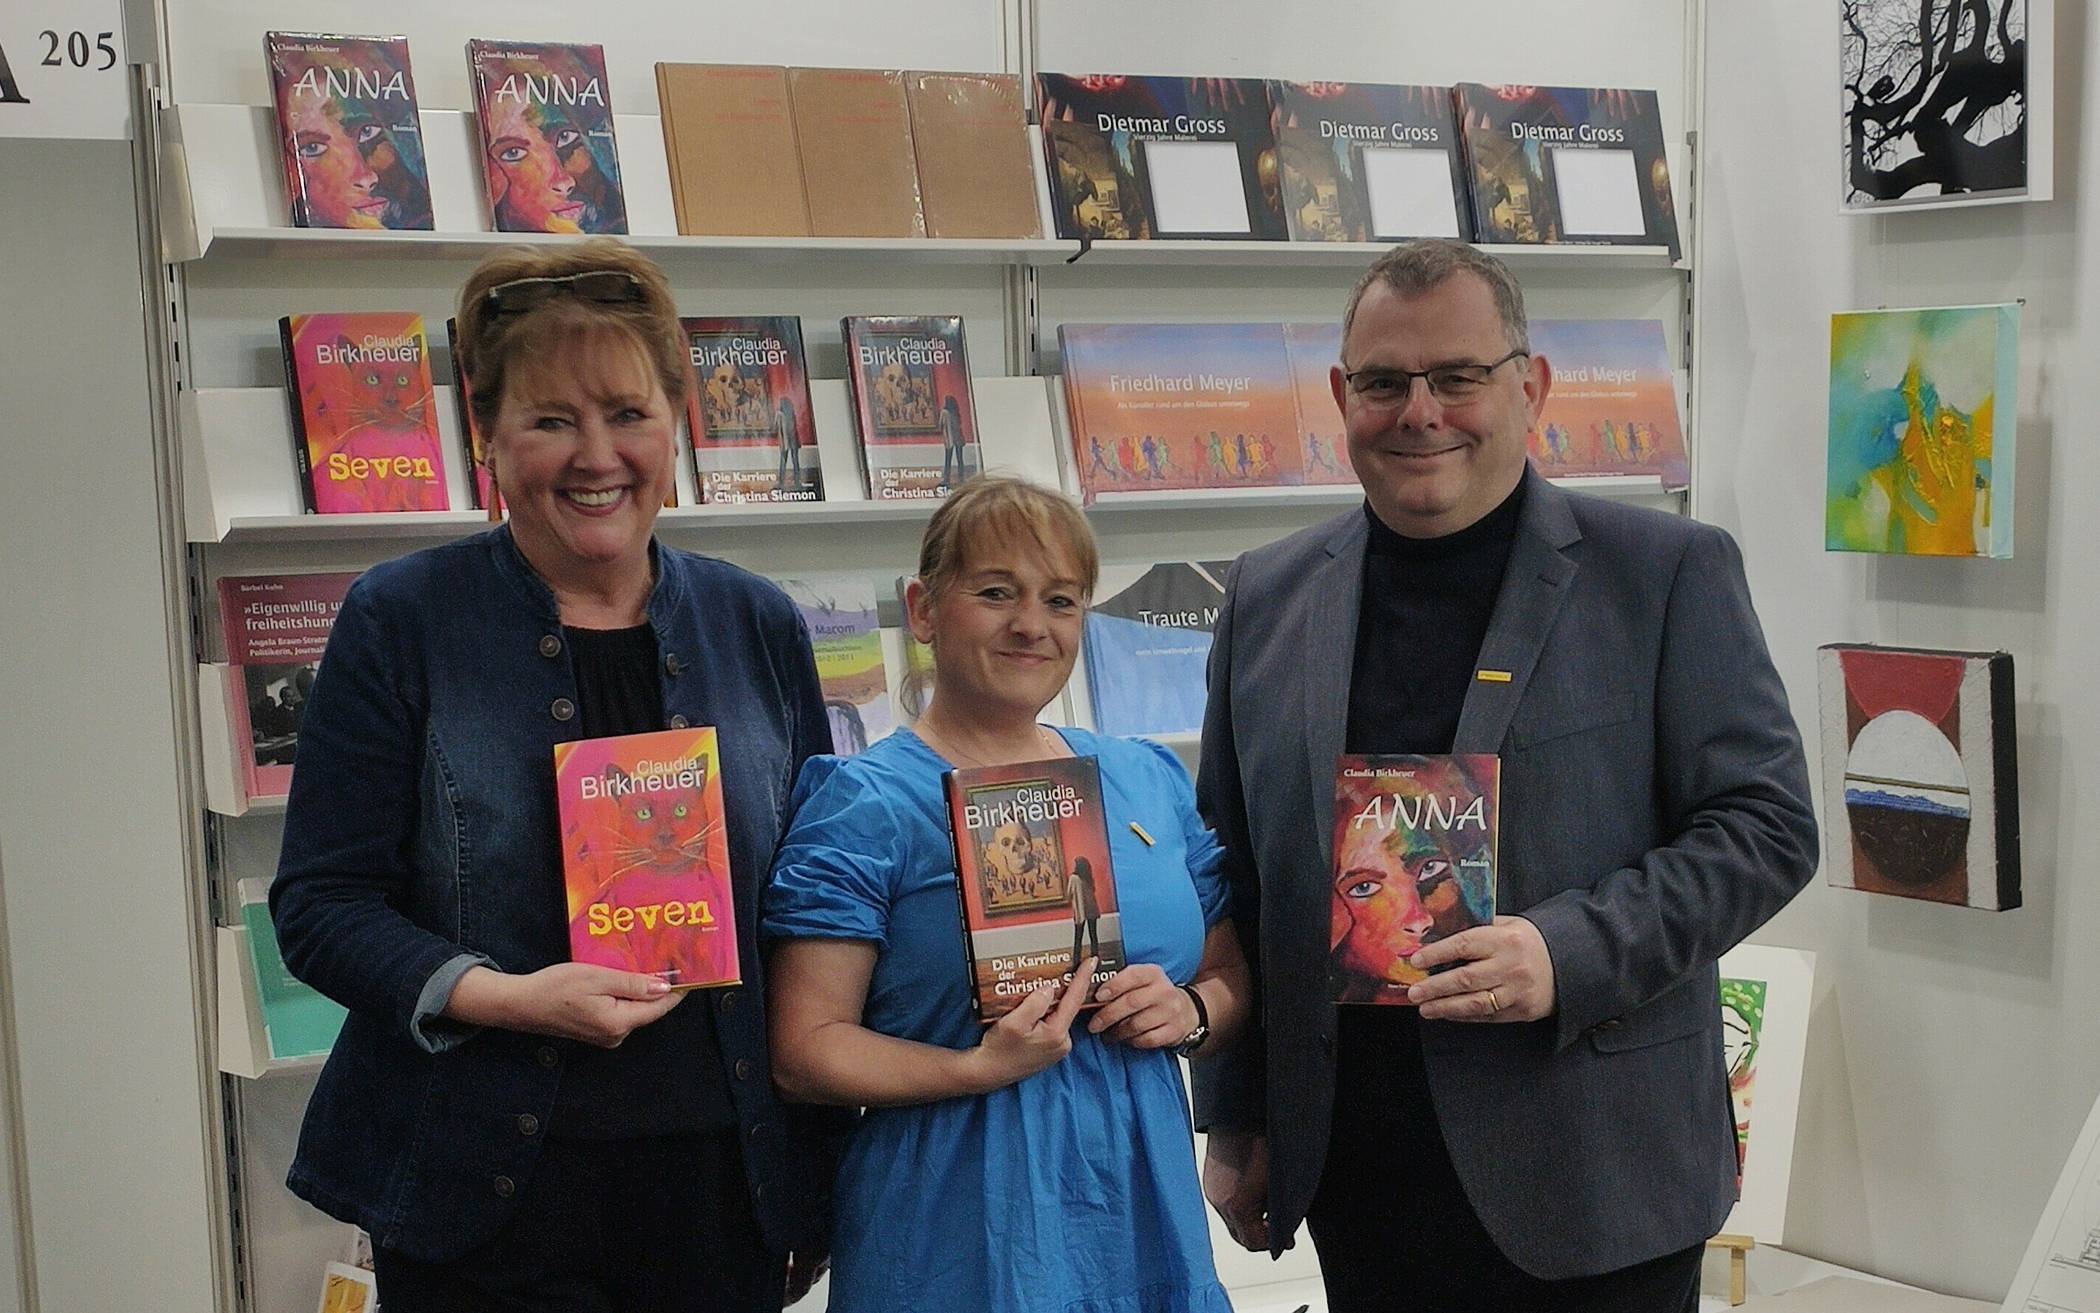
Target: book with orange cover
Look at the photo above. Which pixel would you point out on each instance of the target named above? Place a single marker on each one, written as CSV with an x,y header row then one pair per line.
x,y
853,127
1033,877
364,413
1315,349
970,134
1159,407
645,855
729,136
548,155
1613,407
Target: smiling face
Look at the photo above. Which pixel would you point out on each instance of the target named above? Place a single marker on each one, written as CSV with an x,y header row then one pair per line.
x,y
582,452
1429,468
338,186
1005,631
533,189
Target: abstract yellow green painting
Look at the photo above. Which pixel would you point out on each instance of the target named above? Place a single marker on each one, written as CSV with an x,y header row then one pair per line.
x,y
1923,409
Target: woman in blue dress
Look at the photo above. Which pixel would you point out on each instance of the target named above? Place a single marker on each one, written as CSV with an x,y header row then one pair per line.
x,y
1041,1164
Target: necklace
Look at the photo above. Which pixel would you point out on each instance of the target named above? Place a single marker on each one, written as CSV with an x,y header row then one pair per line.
x,y
941,744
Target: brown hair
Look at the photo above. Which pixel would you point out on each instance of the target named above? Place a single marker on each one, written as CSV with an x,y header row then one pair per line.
x,y
492,346
995,508
1413,268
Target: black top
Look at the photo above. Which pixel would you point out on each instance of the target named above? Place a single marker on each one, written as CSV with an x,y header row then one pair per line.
x,y
665,1078
1425,611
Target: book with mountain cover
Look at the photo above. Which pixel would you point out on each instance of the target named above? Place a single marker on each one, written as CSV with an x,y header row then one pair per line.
x,y
1415,842
1034,881
1147,642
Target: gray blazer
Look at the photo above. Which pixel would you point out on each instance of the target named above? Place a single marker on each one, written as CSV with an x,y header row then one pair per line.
x,y
1655,810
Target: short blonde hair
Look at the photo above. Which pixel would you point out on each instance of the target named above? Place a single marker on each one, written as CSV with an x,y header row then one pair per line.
x,y
494,347
997,509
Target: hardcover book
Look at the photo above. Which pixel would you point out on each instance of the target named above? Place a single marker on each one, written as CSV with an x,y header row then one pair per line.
x,y
1033,876
351,139
729,135
1157,407
298,1020
847,639
1147,643
645,856
473,448
1315,349
1566,164
1613,407
1136,157
912,408
1414,862
853,127
275,627
970,134
1363,162
364,415
754,435
547,148
915,687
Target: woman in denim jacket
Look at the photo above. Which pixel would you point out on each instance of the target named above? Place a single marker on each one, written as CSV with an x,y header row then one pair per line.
x,y
516,1130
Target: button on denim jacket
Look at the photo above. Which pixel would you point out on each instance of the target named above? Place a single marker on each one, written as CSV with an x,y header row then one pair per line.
x,y
421,838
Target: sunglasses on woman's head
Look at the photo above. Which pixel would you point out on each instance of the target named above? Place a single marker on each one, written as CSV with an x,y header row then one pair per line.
x,y
601,286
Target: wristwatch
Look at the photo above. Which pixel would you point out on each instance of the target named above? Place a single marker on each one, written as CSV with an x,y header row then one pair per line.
x,y
1194,1039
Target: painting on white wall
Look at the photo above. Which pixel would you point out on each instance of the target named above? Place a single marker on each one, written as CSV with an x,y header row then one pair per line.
x,y
1765,996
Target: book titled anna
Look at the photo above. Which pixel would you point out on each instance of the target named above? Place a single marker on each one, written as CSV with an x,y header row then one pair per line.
x,y
1414,862
1033,877
348,130
547,149
364,414
645,855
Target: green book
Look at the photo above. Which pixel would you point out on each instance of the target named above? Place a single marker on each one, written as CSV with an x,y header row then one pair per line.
x,y
299,1022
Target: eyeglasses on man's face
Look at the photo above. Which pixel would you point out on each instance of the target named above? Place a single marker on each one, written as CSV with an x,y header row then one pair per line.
x,y
601,286
1451,385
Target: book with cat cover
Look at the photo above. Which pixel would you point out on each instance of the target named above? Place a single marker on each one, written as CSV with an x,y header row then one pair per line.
x,y
912,408
729,137
853,128
1566,164
1147,642
1159,407
1414,862
298,1020
548,155
275,627
364,414
840,611
1365,162
645,855
1315,349
473,448
1613,407
1033,877
351,139
1137,157
970,133
754,436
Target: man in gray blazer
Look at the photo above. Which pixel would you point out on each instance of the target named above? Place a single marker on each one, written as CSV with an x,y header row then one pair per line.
x,y
1549,1128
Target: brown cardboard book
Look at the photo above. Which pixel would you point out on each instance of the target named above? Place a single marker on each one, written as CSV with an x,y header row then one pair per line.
x,y
976,178
729,134
858,168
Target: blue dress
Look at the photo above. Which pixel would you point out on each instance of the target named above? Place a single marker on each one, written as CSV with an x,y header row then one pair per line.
x,y
1072,1191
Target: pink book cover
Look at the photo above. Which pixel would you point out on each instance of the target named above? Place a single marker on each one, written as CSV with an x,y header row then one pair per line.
x,y
645,855
275,627
364,413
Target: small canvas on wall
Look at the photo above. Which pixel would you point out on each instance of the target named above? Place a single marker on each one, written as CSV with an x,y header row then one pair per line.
x,y
1765,997
1921,793
1923,426
1944,102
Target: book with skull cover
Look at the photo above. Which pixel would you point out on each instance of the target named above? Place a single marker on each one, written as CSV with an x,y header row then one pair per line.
x,y
645,855
1033,877
754,438
912,408
1414,862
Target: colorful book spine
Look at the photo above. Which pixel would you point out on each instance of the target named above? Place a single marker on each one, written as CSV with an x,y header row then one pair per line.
x,y
1160,407
1033,877
364,413
1566,164
1147,643
473,447
275,627
1414,862
847,639
1613,407
351,138
645,856
754,436
548,153
912,407
1364,162
1315,349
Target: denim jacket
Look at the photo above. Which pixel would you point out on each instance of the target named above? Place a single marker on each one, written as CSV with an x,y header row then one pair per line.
x,y
421,838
